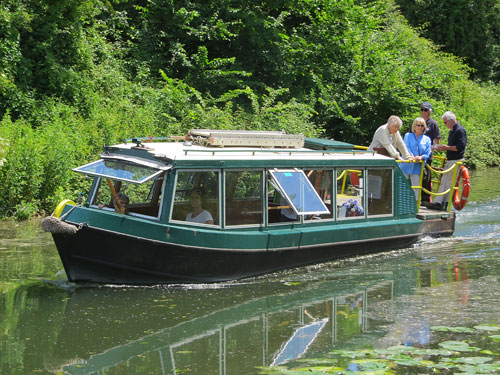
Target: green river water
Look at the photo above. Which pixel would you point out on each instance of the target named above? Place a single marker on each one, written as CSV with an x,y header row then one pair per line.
x,y
51,326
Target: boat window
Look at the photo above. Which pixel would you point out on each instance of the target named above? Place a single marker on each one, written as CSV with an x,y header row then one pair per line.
x,y
243,194
144,199
196,198
322,180
379,191
278,208
119,170
295,187
350,193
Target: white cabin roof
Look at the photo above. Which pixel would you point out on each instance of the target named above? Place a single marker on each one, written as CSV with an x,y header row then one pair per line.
x,y
187,151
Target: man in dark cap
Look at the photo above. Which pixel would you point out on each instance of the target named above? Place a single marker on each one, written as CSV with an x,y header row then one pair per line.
x,y
435,136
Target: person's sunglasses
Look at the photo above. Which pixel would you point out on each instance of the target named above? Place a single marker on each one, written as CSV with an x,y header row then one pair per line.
x,y
420,126
424,109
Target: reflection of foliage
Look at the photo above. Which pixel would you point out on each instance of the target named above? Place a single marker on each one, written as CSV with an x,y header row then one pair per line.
x,y
206,183
244,184
475,351
352,208
138,193
348,317
124,170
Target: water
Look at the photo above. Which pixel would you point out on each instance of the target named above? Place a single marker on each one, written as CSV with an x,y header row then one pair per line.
x,y
50,326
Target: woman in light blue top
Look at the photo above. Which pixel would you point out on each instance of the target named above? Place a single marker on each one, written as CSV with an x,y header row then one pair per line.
x,y
419,146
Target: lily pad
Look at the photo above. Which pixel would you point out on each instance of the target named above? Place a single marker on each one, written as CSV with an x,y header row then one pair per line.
x,y
413,362
488,327
473,360
488,368
436,352
399,349
452,329
372,364
458,346
495,337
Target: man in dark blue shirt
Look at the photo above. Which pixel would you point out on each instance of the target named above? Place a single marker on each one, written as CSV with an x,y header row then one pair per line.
x,y
435,135
432,127
455,151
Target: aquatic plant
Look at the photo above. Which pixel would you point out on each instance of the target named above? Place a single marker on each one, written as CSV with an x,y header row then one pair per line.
x,y
474,351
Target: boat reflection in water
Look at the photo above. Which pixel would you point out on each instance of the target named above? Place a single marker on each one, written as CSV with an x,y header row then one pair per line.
x,y
228,328
299,342
266,330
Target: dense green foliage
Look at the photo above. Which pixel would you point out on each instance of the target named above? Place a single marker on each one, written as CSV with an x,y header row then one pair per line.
x,y
75,75
465,28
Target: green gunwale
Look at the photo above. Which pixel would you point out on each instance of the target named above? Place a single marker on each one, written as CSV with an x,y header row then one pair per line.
x,y
274,237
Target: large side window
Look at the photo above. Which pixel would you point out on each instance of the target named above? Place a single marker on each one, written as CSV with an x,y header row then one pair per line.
x,y
144,199
278,208
322,180
243,197
297,196
379,191
350,193
196,198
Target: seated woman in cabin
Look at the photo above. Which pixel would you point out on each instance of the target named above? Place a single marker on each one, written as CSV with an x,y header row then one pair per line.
x,y
122,208
419,146
198,215
387,139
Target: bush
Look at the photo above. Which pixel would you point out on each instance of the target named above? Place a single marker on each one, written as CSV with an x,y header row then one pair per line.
x,y
25,210
21,174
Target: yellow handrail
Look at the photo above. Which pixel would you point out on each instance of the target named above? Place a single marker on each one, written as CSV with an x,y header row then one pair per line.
x,y
442,162
450,191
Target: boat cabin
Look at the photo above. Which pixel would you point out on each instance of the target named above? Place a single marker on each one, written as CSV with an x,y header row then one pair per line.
x,y
278,180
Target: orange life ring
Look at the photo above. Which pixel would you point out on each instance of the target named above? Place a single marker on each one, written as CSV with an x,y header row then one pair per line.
x,y
460,202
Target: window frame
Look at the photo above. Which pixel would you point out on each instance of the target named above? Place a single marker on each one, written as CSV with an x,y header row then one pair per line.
x,y
219,200
332,197
286,195
391,214
96,185
263,203
363,195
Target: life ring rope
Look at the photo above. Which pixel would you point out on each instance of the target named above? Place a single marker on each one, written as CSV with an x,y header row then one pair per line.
x,y
459,202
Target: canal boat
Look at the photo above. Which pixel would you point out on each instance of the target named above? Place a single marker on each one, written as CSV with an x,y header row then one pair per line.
x,y
217,205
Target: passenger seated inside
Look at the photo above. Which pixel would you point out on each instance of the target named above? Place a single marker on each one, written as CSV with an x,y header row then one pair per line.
x,y
198,215
124,202
122,208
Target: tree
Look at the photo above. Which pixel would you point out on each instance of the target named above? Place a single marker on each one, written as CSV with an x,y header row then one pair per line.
x,y
465,28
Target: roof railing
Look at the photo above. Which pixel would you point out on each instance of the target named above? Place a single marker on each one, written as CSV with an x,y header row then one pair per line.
x,y
276,150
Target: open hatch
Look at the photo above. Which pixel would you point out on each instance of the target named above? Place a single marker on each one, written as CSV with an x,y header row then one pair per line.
x,y
300,194
138,179
132,170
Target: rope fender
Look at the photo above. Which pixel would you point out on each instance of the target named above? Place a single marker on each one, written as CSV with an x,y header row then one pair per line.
x,y
459,202
55,224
